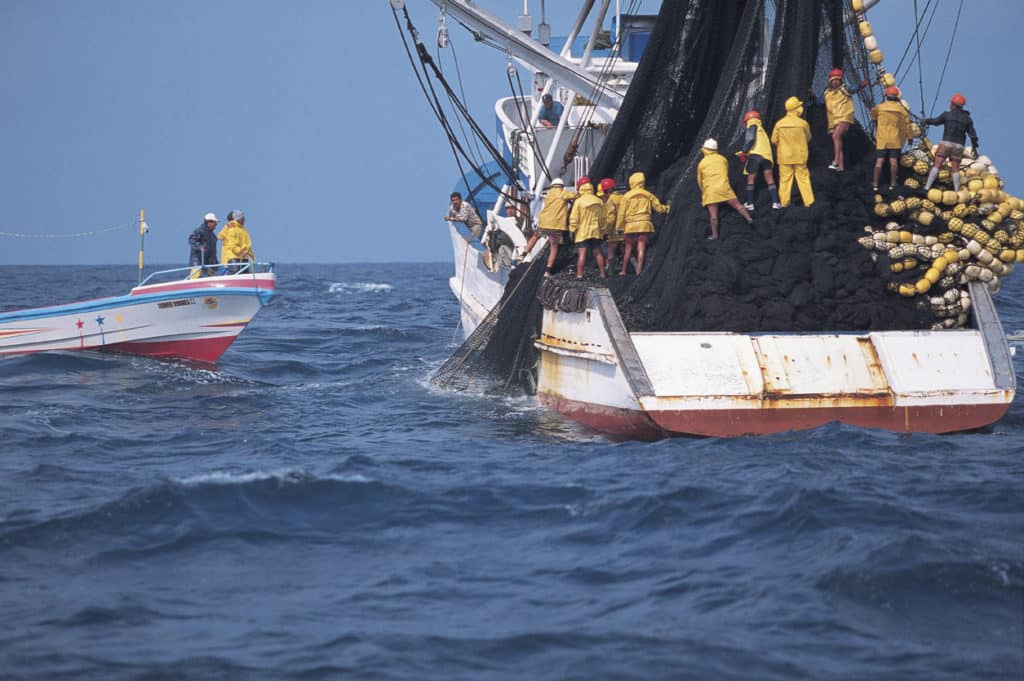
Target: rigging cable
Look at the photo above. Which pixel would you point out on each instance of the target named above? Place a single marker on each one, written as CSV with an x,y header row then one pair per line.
x,y
426,60
920,76
435,105
520,100
914,35
952,38
74,235
603,74
462,90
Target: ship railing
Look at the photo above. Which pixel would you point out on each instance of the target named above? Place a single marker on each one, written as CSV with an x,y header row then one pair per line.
x,y
239,269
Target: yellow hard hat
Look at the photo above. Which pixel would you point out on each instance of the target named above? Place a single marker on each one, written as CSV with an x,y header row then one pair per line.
x,y
792,104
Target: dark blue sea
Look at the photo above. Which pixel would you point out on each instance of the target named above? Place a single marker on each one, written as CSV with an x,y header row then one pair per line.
x,y
313,509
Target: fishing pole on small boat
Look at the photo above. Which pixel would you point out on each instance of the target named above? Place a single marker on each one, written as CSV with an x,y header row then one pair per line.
x,y
143,228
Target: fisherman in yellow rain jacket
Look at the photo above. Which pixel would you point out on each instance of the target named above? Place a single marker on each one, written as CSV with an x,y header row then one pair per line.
x,y
237,246
790,137
713,180
892,130
553,221
586,222
757,158
612,237
839,106
634,220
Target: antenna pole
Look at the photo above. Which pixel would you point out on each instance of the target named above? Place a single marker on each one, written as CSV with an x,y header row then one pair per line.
x,y
143,228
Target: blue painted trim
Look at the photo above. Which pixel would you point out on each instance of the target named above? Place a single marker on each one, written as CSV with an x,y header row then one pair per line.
x,y
124,301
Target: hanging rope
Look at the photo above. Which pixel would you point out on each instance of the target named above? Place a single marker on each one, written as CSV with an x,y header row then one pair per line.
x,y
952,38
920,75
73,235
914,37
428,65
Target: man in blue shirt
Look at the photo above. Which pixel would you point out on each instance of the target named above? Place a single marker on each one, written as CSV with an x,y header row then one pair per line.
x,y
550,112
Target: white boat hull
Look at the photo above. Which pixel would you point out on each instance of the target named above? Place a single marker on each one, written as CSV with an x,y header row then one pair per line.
x,y
195,319
653,385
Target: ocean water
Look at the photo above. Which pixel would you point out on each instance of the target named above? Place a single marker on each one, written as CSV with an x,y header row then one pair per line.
x,y
313,509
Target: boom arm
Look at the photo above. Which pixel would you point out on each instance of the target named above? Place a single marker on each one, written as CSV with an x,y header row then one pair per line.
x,y
529,50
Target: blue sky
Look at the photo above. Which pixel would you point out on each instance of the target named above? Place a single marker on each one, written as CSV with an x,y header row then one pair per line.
x,y
305,114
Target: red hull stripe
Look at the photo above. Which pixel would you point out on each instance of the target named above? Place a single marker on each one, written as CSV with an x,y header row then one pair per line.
x,y
200,349
262,284
739,422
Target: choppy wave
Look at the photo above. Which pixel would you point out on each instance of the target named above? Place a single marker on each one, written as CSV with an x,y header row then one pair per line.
x,y
359,287
313,508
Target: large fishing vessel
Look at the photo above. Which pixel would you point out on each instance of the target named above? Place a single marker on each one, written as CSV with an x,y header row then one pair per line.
x,y
663,367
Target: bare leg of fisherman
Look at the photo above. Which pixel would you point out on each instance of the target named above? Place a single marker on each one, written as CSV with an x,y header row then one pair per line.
x,y
893,171
641,250
934,172
552,256
581,260
713,217
955,163
735,203
599,257
877,173
772,189
626,256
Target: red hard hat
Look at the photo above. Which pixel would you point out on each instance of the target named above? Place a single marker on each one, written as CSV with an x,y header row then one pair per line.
x,y
835,73
607,184
582,181
753,113
958,99
892,91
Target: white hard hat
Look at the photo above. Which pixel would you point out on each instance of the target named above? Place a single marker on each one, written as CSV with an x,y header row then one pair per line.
x,y
557,182
210,216
711,143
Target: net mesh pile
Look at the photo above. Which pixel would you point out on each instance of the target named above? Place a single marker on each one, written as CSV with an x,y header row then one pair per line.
x,y
798,269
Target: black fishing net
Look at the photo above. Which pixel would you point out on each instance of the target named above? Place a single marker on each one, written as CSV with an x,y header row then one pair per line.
x,y
795,269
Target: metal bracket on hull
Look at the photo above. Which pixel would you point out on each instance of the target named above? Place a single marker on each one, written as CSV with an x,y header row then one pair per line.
x,y
622,343
987,321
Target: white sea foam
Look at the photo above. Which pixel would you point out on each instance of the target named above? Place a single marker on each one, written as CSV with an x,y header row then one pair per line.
x,y
358,287
282,476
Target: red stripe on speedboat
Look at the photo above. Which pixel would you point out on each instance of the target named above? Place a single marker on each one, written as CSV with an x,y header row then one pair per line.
x,y
19,332
740,422
200,349
193,284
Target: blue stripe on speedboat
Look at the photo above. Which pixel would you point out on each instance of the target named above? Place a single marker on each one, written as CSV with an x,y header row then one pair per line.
x,y
124,301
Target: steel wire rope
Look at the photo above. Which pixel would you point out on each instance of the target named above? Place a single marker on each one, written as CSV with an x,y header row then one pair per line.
x,y
435,105
520,102
952,38
915,34
920,73
462,93
72,235
426,60
438,114
606,69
